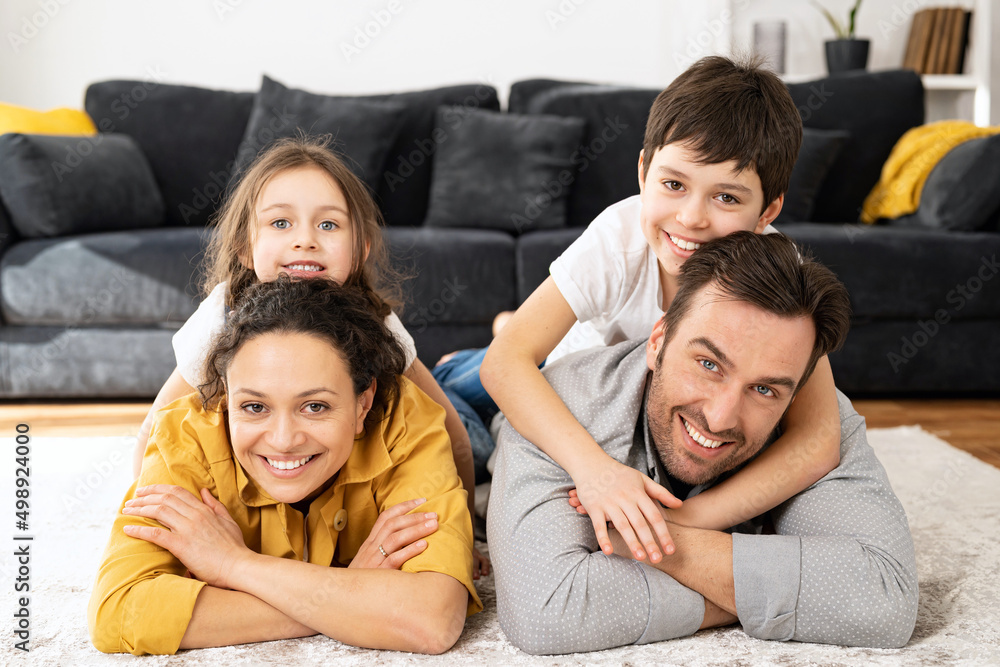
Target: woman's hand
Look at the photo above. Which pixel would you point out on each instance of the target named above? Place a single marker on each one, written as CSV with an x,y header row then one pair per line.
x,y
624,496
396,537
199,533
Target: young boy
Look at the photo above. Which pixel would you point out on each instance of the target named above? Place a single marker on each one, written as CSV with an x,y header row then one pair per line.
x,y
718,153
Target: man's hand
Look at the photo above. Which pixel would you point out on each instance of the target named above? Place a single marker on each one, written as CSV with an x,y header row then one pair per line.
x,y
612,492
396,537
199,533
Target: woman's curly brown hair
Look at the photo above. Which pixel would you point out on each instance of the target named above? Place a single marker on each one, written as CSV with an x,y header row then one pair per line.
x,y
345,316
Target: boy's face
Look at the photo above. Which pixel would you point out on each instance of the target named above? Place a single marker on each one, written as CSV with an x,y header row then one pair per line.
x,y
293,413
686,203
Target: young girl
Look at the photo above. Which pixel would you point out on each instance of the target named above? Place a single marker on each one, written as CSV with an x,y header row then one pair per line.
x,y
300,211
283,501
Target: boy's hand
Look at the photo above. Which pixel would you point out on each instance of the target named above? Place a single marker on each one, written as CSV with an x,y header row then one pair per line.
x,y
625,497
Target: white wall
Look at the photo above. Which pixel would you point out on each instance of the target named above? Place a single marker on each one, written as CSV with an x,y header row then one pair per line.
x,y
52,49
230,43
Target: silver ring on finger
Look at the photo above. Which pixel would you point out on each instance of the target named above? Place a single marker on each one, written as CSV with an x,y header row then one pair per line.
x,y
384,554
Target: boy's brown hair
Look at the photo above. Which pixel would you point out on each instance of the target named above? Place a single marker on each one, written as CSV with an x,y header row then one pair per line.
x,y
232,245
726,110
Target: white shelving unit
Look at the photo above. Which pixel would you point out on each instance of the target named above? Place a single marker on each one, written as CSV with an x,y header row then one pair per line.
x,y
968,95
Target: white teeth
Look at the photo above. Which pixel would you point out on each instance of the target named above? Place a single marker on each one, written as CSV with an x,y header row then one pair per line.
x,y
288,465
682,244
699,438
304,267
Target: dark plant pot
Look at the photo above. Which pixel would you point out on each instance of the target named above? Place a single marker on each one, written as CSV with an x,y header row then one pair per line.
x,y
843,55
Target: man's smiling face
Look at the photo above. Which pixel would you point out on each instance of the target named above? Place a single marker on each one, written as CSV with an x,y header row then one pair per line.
x,y
721,383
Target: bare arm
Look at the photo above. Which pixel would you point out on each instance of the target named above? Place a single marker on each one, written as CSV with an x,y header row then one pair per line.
x,y
223,618
808,449
172,389
608,490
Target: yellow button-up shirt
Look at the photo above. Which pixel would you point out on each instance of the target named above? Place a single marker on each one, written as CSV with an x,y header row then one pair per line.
x,y
142,601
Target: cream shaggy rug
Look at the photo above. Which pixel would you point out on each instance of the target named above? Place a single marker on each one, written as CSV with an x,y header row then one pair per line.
x,y
952,500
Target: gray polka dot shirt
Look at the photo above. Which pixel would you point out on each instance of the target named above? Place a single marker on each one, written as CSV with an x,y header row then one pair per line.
x,y
839,570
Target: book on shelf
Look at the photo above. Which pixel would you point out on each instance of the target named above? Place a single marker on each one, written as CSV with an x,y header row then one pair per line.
x,y
938,40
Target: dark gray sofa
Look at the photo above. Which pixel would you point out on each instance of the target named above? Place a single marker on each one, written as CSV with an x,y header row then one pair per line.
x,y
91,314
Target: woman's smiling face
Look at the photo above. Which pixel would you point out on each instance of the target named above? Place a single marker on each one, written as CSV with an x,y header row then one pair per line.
x,y
293,413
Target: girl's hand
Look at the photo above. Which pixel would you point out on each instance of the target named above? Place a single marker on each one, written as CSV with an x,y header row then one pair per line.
x,y
398,534
624,496
480,564
200,533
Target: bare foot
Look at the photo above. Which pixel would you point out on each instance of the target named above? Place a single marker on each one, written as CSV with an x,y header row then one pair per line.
x,y
501,320
446,358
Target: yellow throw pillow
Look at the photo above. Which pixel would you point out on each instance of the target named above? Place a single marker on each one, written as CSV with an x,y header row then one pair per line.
x,y
57,121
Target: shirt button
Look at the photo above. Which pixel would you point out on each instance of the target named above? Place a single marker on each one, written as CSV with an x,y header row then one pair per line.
x,y
340,520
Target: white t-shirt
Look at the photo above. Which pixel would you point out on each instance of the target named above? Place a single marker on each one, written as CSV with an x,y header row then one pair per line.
x,y
611,279
193,341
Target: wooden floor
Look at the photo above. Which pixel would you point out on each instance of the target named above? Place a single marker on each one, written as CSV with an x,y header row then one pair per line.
x,y
971,425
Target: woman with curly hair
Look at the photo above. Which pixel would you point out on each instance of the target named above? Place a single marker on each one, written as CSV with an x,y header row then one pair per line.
x,y
309,489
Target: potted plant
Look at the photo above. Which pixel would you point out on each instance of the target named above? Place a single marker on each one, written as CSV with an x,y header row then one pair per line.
x,y
846,52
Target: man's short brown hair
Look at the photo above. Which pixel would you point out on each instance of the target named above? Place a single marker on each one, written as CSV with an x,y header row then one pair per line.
x,y
767,271
726,110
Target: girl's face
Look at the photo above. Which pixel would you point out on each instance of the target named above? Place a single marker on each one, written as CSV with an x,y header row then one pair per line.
x,y
293,413
303,227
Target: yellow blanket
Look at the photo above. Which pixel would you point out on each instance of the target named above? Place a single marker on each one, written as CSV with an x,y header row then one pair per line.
x,y
911,161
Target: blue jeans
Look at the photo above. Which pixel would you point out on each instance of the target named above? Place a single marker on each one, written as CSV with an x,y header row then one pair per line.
x,y
479,435
460,374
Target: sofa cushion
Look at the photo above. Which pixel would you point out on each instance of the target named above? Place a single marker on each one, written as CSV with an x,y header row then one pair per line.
x,y
962,192
876,108
606,162
909,274
819,149
459,280
60,185
535,252
189,136
404,189
523,92
363,130
501,171
136,278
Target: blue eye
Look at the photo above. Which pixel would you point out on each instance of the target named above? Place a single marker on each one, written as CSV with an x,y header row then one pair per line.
x,y
327,225
709,365
281,224
763,390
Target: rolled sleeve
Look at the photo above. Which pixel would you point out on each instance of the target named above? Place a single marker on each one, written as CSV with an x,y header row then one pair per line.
x,y
766,577
680,617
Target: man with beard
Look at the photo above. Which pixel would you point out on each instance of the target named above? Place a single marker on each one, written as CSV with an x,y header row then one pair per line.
x,y
689,407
